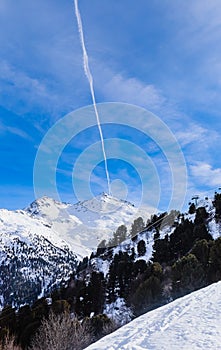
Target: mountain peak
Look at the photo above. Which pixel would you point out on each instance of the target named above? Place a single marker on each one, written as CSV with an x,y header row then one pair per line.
x,y
104,203
43,204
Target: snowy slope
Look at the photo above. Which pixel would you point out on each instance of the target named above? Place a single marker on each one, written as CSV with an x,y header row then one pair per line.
x,y
19,224
190,322
32,260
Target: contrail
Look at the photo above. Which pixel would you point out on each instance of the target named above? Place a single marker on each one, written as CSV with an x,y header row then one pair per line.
x,y
90,80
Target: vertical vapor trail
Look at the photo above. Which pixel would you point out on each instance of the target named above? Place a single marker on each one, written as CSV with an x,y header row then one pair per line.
x,y
90,80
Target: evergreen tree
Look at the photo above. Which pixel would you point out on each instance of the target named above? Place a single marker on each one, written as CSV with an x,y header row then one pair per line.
x,y
24,318
156,235
162,250
96,292
60,306
8,319
137,226
217,205
214,273
188,275
100,325
201,216
141,247
119,236
101,247
112,283
201,250
147,295
139,267
192,208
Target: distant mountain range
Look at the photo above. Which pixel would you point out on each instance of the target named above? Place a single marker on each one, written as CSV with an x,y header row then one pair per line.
x,y
79,227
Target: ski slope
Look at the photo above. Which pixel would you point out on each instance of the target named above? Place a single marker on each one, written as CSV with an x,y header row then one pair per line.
x,y
188,323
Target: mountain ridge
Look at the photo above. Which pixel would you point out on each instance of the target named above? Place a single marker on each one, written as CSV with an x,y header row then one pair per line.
x,y
96,219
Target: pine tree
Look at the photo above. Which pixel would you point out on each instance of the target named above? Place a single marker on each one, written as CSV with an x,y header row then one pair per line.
x,y
192,208
217,205
119,236
96,289
214,273
188,275
101,247
147,295
137,226
141,247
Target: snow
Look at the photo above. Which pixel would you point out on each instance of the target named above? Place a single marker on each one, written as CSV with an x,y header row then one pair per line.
x,y
101,265
80,227
119,312
85,224
214,229
190,217
206,202
190,322
127,245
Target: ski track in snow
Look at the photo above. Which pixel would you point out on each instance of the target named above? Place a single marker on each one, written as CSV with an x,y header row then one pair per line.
x,y
188,323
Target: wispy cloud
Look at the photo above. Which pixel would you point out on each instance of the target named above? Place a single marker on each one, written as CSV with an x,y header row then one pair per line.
x,y
14,130
206,175
25,92
132,90
40,66
193,133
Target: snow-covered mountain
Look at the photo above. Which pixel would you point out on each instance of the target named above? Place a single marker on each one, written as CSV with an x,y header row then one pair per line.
x,y
190,322
41,245
85,224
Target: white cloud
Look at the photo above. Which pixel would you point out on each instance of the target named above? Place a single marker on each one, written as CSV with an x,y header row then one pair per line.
x,y
15,131
192,133
40,59
132,90
205,174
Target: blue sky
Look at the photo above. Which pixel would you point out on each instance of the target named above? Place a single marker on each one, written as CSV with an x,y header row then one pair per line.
x,y
164,56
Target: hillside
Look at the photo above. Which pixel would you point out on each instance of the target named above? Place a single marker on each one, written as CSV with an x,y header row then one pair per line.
x,y
33,261
175,254
190,322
